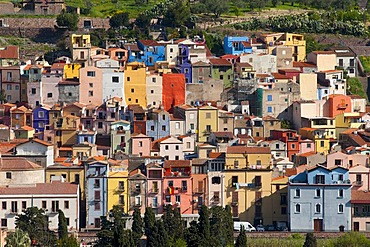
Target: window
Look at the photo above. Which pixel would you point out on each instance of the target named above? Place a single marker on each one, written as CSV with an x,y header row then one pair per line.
x,y
151,91
9,175
163,127
234,181
66,204
154,80
297,193
221,77
191,115
188,145
91,93
33,90
269,109
340,193
132,90
283,211
3,204
166,147
43,204
269,97
308,145
9,87
340,208
4,222
91,73
100,125
322,144
293,146
97,206
91,84
140,143
121,199
318,208
283,199
24,205
208,128
177,147
168,198
41,114
216,180
208,115
50,95
177,125
320,179
178,199
14,208
128,78
318,193
115,79
340,177
54,206
297,208
138,201
257,181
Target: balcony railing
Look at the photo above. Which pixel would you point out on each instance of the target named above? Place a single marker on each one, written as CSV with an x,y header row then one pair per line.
x,y
357,183
154,190
363,214
342,106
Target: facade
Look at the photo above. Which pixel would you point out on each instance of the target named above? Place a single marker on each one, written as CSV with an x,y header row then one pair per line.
x,y
135,84
237,45
174,87
320,200
207,121
48,196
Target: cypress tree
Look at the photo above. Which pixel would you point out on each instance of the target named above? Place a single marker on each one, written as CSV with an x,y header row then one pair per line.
x,y
228,225
137,226
204,226
310,240
62,225
150,230
241,240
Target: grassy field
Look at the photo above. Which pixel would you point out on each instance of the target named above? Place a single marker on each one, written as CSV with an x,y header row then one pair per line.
x,y
295,241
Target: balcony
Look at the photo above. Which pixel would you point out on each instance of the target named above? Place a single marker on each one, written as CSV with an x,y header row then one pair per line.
x,y
121,189
363,214
154,191
184,189
136,191
358,183
177,174
342,106
199,191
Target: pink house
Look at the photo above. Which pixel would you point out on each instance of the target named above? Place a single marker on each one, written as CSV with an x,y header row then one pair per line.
x,y
177,185
346,160
155,187
91,86
140,144
306,146
359,176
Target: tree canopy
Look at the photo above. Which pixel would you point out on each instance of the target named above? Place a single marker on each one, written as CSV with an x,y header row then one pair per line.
x,y
68,20
119,20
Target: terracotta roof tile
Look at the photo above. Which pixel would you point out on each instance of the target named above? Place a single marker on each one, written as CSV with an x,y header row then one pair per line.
x,y
176,163
359,196
11,52
42,189
219,61
17,163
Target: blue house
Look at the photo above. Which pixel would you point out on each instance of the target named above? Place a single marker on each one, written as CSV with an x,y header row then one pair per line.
x,y
149,52
319,200
96,198
84,136
158,124
237,45
184,64
40,118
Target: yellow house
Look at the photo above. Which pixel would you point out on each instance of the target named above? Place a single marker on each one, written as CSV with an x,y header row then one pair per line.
x,y
81,48
118,185
65,130
135,84
295,41
240,157
70,169
207,122
347,120
319,136
279,200
248,192
24,132
71,71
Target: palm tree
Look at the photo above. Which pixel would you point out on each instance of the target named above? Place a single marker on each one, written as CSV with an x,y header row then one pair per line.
x,y
18,238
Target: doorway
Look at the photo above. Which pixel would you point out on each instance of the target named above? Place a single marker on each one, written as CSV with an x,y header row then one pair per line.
x,y
317,225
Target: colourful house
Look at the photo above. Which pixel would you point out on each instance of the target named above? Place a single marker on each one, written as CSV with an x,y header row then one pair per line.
x,y
155,187
248,192
338,104
241,157
319,136
117,194
40,118
237,45
223,70
177,185
20,116
150,52
173,88
137,183
200,184
346,121
71,71
24,132
135,84
140,144
207,122
290,138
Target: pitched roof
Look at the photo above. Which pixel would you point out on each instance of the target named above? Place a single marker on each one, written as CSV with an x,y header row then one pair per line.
x,y
323,52
53,188
304,64
37,141
248,150
11,51
17,164
176,163
219,61
279,76
224,134
216,155
149,42
359,196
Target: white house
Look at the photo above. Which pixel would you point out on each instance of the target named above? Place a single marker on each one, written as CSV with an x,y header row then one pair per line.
x,y
49,196
39,151
169,147
19,171
113,78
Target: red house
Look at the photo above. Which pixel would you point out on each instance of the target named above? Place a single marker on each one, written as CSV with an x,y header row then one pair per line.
x,y
290,138
173,88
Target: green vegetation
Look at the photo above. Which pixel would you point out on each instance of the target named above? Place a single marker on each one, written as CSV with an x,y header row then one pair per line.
x,y
68,20
313,45
18,238
355,87
352,239
337,22
310,240
365,61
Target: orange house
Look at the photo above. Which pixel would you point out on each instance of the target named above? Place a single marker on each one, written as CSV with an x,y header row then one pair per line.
x,y
174,86
21,116
338,104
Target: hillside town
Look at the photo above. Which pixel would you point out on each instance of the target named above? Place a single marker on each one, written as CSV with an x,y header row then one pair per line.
x,y
266,129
